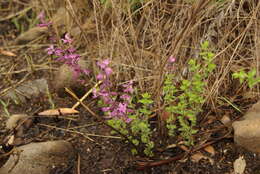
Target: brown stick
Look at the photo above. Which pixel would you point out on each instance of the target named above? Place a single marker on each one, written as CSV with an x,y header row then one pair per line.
x,y
145,165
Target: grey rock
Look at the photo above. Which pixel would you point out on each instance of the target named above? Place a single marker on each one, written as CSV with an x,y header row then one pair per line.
x,y
64,78
247,130
15,119
27,90
39,158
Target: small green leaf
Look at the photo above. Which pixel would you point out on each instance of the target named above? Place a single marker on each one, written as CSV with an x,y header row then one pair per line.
x,y
205,45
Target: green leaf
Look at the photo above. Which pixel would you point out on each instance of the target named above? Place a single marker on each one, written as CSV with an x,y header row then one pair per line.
x,y
251,74
146,95
146,101
211,67
134,151
135,142
205,45
241,75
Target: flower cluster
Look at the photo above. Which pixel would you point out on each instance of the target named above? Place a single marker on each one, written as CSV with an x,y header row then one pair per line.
x,y
171,60
43,22
67,56
112,107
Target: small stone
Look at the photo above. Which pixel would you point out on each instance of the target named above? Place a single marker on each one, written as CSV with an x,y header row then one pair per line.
x,y
239,165
15,119
247,131
64,78
27,90
225,120
40,158
253,112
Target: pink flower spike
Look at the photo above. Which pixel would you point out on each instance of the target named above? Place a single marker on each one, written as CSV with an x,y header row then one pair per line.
x,y
86,71
95,93
75,75
105,109
43,23
41,16
129,89
71,50
100,77
58,52
122,108
50,50
108,71
103,64
113,93
125,97
128,120
130,110
67,39
106,62
171,59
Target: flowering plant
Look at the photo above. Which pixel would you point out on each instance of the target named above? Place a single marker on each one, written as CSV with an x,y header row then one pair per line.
x,y
68,56
128,112
110,106
64,53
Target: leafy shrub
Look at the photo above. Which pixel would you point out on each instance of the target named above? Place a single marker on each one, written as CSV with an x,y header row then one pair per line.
x,y
185,102
249,77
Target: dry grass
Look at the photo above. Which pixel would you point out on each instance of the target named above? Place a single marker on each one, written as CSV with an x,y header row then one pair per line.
x,y
140,43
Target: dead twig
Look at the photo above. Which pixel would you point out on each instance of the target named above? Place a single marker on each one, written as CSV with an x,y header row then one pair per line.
x,y
78,165
144,165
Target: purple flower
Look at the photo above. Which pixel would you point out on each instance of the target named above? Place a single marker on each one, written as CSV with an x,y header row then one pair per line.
x,y
125,97
50,50
108,100
113,93
100,76
58,52
61,58
103,64
41,16
66,55
106,84
114,113
171,59
67,39
43,23
129,89
130,110
128,120
122,108
71,50
108,71
76,73
86,71
103,94
74,58
95,93
105,109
